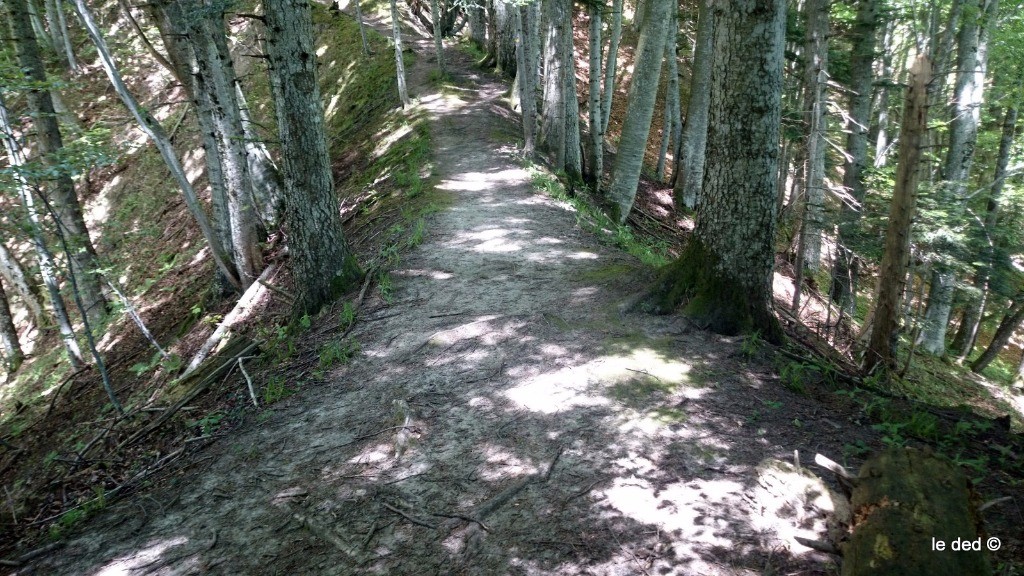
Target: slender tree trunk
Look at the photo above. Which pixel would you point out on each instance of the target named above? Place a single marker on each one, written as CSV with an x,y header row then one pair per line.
x,y
13,356
526,74
267,184
971,61
56,32
322,264
396,32
126,9
690,165
967,335
47,268
62,189
1011,321
69,51
881,135
815,80
611,67
595,163
724,274
671,95
36,24
362,28
573,145
636,127
862,56
156,133
885,320
18,280
435,19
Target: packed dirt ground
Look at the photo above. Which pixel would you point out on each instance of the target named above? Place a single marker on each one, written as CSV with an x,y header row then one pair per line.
x,y
504,413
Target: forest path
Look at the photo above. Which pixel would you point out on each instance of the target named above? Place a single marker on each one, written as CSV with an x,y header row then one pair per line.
x,y
503,416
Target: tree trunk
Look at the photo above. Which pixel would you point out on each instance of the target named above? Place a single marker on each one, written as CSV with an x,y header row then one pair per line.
x,y
690,168
595,161
881,128
862,56
396,31
636,127
971,61
815,79
611,67
156,133
62,189
553,106
936,314
505,40
526,75
267,185
435,18
477,26
893,270
18,280
901,494
69,51
671,107
322,264
47,268
724,274
362,28
13,356
573,145
56,32
1011,321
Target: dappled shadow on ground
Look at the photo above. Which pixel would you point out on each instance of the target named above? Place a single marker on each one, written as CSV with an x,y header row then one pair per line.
x,y
504,416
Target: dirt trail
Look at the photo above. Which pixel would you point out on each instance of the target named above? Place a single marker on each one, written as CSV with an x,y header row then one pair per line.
x,y
503,416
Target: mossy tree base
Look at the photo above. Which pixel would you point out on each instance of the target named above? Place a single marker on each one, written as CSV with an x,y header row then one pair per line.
x,y
711,298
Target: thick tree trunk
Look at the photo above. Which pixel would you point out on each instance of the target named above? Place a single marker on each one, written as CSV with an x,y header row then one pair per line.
x,y
156,133
690,164
47,268
19,281
322,264
595,160
936,314
553,105
267,184
862,56
901,494
62,189
611,66
885,319
505,40
724,274
573,145
477,26
636,126
1011,321
12,353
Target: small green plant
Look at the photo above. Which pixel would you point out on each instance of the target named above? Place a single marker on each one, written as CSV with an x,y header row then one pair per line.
x,y
923,425
384,287
751,345
892,433
338,352
416,235
772,404
275,389
856,450
792,377
208,424
347,315
305,322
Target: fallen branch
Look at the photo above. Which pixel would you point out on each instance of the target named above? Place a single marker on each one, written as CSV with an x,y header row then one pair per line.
x,y
250,297
407,517
248,381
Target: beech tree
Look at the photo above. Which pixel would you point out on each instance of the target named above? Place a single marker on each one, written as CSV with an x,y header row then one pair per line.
x,y
693,142
724,273
61,191
636,126
322,264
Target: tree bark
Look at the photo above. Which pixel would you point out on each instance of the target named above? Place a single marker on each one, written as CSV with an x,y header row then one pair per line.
x,y
12,353
1009,324
611,67
573,145
62,189
845,270
936,314
690,164
477,26
47,268
595,162
56,32
322,264
156,133
435,18
553,105
396,32
526,74
893,273
636,127
815,79
672,120
724,274
18,280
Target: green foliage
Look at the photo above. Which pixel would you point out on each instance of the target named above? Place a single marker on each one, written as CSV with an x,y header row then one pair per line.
x,y
209,423
751,345
337,352
384,287
347,315
793,376
653,254
171,364
276,390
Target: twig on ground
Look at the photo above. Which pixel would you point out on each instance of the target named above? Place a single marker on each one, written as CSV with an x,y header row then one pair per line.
x,y
248,381
408,517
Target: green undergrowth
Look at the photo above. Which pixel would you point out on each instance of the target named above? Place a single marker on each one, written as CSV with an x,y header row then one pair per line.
x,y
590,217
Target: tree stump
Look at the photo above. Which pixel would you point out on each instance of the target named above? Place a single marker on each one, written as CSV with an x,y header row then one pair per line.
x,y
905,503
